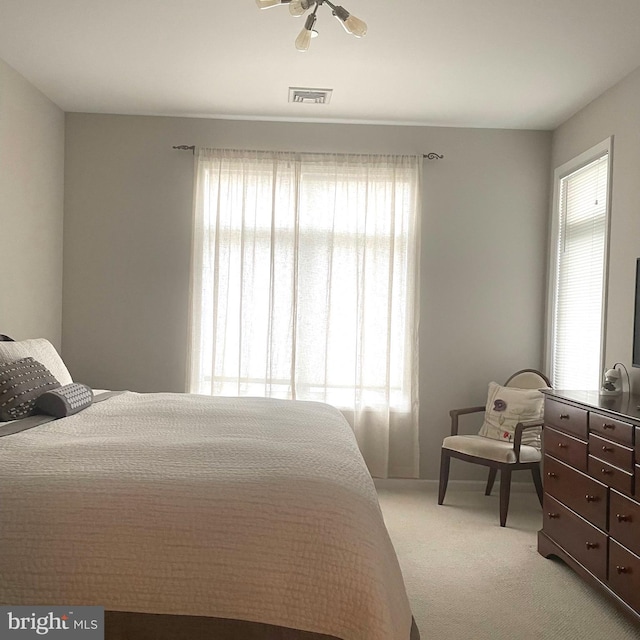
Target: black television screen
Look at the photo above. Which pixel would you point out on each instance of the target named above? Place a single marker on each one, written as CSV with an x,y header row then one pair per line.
x,y
636,320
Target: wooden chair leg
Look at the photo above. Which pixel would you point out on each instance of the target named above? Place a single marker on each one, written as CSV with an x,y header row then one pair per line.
x,y
505,490
537,481
445,460
492,478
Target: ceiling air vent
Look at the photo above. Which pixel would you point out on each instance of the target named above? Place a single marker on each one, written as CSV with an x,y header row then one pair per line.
x,y
310,96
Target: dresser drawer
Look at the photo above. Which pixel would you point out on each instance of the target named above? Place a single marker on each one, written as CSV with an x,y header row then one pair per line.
x,y
612,429
614,477
565,448
637,493
624,521
583,541
566,417
624,574
615,454
579,492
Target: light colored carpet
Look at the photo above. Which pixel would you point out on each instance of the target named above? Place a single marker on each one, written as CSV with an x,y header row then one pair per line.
x,y
468,578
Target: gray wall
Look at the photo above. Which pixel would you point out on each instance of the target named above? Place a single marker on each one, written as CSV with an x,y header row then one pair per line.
x,y
31,210
128,230
615,113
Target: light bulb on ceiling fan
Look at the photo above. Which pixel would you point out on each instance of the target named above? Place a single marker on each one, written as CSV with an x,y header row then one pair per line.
x,y
355,26
267,4
350,23
304,38
300,7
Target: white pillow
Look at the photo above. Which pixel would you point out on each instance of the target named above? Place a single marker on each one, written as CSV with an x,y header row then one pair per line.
x,y
506,406
39,349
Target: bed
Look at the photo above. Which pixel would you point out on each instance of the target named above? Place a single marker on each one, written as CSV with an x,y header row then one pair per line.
x,y
188,516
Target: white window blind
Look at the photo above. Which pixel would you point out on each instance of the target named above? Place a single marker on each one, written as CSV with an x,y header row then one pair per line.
x,y
580,252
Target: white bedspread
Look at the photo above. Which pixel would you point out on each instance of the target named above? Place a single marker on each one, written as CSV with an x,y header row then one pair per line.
x,y
249,509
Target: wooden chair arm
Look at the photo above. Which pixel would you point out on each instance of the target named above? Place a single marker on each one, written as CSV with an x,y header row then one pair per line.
x,y
518,431
455,413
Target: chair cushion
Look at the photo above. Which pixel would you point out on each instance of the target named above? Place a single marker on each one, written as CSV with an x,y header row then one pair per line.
x,y
482,447
506,406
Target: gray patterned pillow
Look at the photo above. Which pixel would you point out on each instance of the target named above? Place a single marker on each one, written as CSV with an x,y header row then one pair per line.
x,y
21,383
65,401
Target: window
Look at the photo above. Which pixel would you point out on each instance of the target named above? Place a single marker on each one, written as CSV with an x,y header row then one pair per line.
x,y
578,270
305,284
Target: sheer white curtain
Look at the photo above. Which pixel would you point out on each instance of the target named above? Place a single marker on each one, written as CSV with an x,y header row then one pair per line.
x,y
305,287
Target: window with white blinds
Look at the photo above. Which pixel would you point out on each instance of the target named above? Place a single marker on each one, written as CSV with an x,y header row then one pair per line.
x,y
579,271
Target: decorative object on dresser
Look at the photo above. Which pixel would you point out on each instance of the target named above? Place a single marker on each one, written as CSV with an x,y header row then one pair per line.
x,y
612,381
509,439
591,510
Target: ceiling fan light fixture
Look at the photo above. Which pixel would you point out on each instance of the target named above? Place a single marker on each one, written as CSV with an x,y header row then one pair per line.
x,y
297,8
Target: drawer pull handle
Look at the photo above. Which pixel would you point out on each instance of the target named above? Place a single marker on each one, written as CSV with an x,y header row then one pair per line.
x,y
564,416
592,545
622,518
553,516
620,569
607,425
607,449
562,445
606,472
589,498
551,474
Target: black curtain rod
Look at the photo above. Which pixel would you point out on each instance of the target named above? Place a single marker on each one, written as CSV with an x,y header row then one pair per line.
x,y
192,147
186,147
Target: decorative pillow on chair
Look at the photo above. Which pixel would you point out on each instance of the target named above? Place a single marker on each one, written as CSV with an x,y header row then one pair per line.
x,y
39,349
21,383
66,400
506,406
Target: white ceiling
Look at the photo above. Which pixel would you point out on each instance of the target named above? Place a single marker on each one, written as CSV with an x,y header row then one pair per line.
x,y
479,63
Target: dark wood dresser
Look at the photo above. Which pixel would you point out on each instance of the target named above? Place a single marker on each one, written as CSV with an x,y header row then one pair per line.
x,y
591,510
